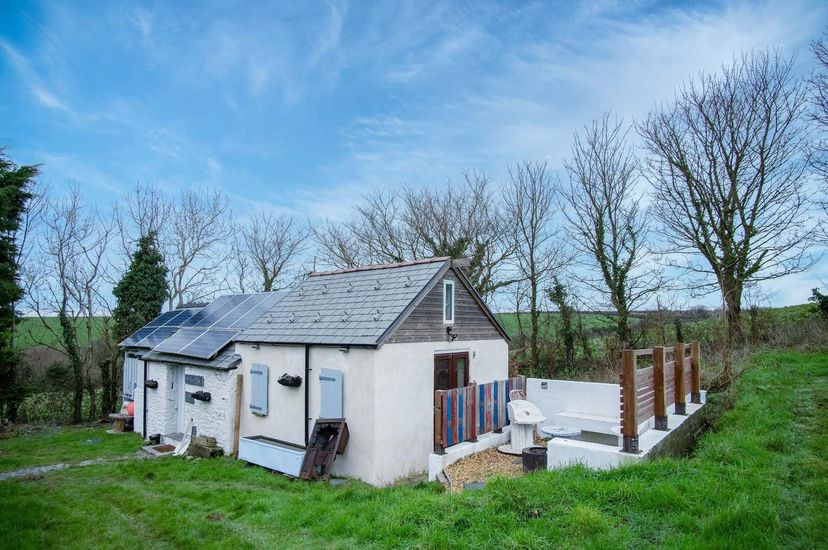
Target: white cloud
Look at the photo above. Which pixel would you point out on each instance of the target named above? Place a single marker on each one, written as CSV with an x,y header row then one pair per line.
x,y
29,78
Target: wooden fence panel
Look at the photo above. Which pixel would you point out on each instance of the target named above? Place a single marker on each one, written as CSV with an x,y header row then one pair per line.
x,y
461,414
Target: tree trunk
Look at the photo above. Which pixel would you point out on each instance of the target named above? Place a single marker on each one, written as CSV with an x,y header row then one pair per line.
x,y
534,317
70,344
106,399
733,312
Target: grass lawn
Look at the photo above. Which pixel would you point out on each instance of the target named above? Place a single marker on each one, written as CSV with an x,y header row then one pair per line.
x,y
758,480
33,332
64,446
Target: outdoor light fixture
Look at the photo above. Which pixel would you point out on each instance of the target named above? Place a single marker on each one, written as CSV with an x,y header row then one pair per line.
x,y
345,349
450,333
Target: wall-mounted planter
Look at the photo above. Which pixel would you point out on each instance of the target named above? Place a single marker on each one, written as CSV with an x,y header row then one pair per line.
x,y
290,380
202,396
151,384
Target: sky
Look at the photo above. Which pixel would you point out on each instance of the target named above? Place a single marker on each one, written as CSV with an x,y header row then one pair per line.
x,y
305,106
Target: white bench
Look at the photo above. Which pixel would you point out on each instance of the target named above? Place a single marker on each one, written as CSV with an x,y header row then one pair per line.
x,y
587,422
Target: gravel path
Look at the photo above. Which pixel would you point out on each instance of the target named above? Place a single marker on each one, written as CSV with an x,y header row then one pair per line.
x,y
38,470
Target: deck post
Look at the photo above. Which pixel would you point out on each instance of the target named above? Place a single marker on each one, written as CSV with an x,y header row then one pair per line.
x,y
695,373
629,429
438,423
658,382
681,391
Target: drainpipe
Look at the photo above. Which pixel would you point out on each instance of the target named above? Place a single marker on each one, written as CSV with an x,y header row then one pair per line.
x,y
144,388
307,394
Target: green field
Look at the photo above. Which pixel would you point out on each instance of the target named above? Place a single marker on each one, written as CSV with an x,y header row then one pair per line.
x,y
549,321
32,331
759,479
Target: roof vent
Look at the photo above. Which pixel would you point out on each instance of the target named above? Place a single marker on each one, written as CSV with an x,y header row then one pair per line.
x,y
318,316
324,289
292,317
408,281
377,286
350,286
344,316
377,315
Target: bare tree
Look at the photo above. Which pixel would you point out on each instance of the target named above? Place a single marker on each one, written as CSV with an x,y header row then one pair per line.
x,y
271,244
69,280
530,206
196,245
336,247
146,210
818,87
728,173
394,226
606,223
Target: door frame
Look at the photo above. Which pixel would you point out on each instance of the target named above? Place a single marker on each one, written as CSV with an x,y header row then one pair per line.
x,y
452,357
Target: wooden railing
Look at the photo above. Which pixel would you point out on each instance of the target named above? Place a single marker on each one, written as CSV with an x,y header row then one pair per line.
x,y
464,413
647,392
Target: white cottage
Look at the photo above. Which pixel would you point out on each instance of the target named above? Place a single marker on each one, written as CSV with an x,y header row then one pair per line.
x,y
180,369
370,345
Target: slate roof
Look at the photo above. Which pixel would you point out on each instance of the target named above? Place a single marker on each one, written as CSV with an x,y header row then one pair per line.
x,y
225,360
347,307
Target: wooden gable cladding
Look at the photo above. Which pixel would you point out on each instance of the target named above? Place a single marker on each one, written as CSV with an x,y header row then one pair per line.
x,y
425,322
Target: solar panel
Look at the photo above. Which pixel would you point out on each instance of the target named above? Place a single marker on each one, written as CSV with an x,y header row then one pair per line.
x,y
254,313
250,301
157,336
138,335
208,344
179,340
215,312
164,318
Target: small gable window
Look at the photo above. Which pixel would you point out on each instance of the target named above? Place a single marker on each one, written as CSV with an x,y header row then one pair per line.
x,y
448,302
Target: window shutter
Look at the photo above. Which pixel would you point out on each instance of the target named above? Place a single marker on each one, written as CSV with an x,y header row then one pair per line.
x,y
330,383
130,377
258,388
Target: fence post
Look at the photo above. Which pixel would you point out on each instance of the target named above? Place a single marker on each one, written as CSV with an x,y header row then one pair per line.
x,y
438,423
628,392
681,391
695,373
473,416
658,382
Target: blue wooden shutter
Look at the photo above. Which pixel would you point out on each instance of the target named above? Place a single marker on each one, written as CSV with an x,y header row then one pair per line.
x,y
130,377
330,383
258,388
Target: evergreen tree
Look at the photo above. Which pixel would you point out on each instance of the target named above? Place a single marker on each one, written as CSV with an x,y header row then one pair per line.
x,y
142,290
15,185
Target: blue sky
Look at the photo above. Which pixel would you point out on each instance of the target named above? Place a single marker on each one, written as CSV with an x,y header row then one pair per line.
x,y
304,106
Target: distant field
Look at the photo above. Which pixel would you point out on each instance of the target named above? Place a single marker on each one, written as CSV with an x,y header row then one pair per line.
x,y
550,320
33,332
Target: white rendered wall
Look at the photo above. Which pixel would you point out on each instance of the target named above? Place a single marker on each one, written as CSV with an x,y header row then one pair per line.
x,y
286,405
215,417
160,401
388,400
575,397
404,397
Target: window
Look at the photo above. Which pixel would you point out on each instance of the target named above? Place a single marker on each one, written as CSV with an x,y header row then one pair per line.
x,y
448,302
451,370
